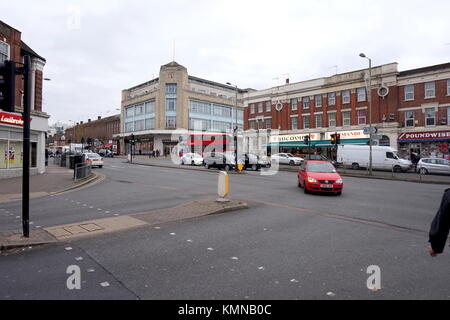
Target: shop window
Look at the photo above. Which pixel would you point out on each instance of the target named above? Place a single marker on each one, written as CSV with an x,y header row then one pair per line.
x,y
448,115
33,160
3,154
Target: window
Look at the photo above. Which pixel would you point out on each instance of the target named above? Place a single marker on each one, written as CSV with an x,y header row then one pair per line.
x,y
268,106
294,104
430,115
260,126
361,94
199,124
448,115
430,90
332,98
129,112
252,108
140,109
390,155
332,120
448,87
199,107
240,115
409,119
318,100
409,92
346,96
171,122
268,123
362,119
171,88
318,121
221,126
139,125
260,107
171,104
306,122
224,112
149,123
4,51
294,123
346,118
305,102
129,126
251,124
150,107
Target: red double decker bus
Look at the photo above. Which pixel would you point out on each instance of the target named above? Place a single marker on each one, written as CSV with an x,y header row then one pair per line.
x,y
196,142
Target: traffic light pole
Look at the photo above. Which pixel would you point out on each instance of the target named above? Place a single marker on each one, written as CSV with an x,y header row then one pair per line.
x,y
26,149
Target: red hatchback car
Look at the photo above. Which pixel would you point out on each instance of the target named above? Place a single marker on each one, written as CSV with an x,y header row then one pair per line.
x,y
320,176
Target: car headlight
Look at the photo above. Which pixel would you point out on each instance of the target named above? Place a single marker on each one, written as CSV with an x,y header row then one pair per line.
x,y
339,181
311,179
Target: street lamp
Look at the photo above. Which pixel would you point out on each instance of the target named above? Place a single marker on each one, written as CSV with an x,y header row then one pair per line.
x,y
369,96
235,124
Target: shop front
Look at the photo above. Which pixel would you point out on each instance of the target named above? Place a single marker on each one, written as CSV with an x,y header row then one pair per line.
x,y
11,144
433,144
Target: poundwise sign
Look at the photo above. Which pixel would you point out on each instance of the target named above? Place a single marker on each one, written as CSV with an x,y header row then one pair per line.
x,y
12,119
425,136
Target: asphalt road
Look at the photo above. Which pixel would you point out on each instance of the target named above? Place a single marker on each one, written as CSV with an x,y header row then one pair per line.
x,y
287,245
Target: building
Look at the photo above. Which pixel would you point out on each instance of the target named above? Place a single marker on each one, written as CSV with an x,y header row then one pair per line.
x,y
153,110
11,132
98,133
410,110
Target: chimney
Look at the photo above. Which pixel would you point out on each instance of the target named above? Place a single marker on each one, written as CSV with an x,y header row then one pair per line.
x,y
81,122
99,117
287,81
89,120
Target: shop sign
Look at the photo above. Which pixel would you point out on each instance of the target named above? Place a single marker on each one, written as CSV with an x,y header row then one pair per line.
x,y
438,135
352,134
10,118
294,137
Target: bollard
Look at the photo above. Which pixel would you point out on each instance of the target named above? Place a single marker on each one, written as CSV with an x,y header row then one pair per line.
x,y
392,171
222,187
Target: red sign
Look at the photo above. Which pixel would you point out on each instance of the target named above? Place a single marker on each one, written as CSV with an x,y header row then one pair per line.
x,y
10,118
439,135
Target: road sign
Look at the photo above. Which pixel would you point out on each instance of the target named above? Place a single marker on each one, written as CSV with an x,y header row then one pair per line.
x,y
377,137
367,130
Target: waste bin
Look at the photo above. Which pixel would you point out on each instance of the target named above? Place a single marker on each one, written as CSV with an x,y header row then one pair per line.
x,y
63,160
79,170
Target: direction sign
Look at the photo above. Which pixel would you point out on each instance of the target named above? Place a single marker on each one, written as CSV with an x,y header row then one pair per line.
x,y
367,130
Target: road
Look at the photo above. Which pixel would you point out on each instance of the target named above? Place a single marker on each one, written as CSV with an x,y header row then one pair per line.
x,y
287,245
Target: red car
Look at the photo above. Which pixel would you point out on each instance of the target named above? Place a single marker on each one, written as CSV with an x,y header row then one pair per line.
x,y
320,176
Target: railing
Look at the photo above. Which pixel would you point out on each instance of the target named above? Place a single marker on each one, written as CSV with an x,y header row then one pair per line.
x,y
81,171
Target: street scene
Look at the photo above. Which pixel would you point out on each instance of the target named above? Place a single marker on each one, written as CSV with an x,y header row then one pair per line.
x,y
155,178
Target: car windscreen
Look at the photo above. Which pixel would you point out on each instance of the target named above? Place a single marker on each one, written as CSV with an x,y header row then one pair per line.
x,y
92,156
322,167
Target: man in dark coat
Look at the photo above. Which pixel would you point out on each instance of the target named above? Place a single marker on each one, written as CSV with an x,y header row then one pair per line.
x,y
440,226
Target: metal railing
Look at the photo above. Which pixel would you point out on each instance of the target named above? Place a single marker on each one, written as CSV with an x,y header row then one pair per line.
x,y
81,171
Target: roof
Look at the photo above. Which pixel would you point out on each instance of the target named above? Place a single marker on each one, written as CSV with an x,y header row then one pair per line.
x,y
216,84
425,69
24,48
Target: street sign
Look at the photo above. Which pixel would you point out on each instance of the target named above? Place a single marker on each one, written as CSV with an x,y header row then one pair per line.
x,y
367,130
377,137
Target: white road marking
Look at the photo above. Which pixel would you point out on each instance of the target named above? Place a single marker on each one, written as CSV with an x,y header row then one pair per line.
x,y
68,248
79,258
234,258
104,284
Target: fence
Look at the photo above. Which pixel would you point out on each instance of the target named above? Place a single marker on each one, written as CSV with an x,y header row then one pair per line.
x,y
81,171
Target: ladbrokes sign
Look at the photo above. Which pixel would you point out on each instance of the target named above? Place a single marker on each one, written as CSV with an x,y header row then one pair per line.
x,y
10,118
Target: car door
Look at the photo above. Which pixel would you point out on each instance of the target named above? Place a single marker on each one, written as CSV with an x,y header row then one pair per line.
x,y
389,160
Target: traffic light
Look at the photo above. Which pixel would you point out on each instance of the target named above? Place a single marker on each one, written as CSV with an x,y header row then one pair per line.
x,y
7,85
333,139
306,139
132,139
338,138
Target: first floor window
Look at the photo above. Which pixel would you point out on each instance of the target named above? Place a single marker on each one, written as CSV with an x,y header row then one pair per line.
x,y
430,89
268,123
306,122
362,117
4,51
448,87
318,100
409,119
139,125
361,93
150,107
318,121
171,104
294,104
409,92
346,118
252,108
305,102
171,122
129,126
268,106
332,119
294,123
346,96
150,123
332,98
430,115
260,107
129,112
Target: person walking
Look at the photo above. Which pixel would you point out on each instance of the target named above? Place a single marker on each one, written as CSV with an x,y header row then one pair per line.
x,y
440,226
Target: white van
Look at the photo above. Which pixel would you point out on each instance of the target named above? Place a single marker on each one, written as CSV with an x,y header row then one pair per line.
x,y
383,158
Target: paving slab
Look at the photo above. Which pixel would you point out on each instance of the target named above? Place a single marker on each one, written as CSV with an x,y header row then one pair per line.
x,y
15,239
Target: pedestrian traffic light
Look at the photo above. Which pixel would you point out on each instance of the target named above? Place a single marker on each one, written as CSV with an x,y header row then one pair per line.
x,y
333,139
338,138
7,85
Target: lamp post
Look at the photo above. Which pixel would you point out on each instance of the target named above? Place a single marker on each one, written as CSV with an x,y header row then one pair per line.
x,y
235,126
369,96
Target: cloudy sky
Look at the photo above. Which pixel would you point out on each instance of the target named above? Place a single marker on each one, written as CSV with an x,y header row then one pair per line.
x,y
96,48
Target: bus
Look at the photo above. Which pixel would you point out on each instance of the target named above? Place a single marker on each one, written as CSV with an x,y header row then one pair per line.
x,y
202,142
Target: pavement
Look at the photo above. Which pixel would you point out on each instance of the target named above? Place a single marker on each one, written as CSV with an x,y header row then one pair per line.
x,y
55,179
166,162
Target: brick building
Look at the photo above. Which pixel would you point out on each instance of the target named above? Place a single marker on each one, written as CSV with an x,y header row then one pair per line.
x,y
98,133
413,101
11,133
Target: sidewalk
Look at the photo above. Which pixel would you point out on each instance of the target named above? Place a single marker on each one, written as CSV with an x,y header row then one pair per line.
x,y
54,179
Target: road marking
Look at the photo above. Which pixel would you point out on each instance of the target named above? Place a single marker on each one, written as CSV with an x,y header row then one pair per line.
x,y
104,284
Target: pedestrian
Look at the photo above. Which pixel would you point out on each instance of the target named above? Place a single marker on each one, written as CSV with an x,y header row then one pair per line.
x,y
440,226
157,153
414,160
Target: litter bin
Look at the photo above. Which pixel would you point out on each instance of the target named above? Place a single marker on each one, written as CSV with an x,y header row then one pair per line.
x,y
77,161
63,160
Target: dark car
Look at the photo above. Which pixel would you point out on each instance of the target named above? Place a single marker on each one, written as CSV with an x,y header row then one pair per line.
x,y
254,162
219,160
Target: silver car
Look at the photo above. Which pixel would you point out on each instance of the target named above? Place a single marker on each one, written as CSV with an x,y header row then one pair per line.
x,y
433,165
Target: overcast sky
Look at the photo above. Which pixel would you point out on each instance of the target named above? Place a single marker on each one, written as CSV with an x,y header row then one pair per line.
x,y
96,48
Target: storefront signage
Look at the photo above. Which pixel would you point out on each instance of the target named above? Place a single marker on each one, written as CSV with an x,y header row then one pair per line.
x,y
294,137
12,119
352,134
439,135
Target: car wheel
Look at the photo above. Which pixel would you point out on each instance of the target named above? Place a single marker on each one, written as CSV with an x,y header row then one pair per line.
x,y
338,193
100,167
206,166
182,162
355,166
254,167
397,169
227,167
291,163
299,184
305,190
423,171
192,163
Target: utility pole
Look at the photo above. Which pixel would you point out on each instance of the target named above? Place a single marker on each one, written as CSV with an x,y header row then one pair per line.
x,y
26,148
369,96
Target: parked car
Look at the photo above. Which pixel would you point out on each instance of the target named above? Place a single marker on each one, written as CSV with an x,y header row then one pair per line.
x,y
433,165
286,158
219,160
383,158
193,159
94,159
319,176
254,162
